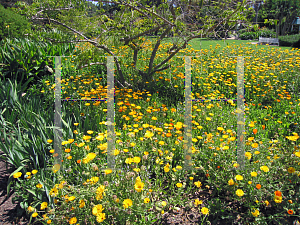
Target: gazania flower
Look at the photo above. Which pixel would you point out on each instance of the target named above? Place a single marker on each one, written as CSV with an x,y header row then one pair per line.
x,y
290,212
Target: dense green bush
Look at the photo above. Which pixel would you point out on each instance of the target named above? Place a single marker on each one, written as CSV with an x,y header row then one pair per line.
x,y
12,24
289,40
264,32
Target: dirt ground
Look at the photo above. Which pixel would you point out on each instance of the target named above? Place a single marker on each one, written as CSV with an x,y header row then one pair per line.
x,y
8,210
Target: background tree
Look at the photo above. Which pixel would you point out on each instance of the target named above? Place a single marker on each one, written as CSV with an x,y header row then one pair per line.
x,y
131,20
282,11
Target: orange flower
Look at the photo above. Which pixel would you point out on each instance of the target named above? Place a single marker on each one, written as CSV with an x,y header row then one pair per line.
x,y
168,134
258,186
78,161
263,127
254,131
278,193
290,212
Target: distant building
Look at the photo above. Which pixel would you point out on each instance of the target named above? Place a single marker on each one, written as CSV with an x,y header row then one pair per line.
x,y
296,23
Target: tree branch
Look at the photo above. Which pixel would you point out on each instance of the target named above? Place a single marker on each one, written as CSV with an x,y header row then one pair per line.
x,y
156,48
127,40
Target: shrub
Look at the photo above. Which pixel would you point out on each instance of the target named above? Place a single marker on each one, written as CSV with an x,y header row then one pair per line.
x,y
12,24
289,40
264,32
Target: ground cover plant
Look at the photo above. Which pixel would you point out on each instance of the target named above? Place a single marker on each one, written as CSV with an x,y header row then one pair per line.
x,y
150,180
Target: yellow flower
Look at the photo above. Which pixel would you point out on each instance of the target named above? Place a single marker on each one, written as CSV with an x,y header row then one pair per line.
x,y
139,186
248,155
107,171
34,171
179,185
148,134
291,169
239,177
163,203
205,211
101,217
39,185
34,214
30,209
253,174
239,192
167,168
71,198
267,202
231,182
49,141
256,213
197,202
264,168
73,220
136,159
44,205
97,209
81,203
277,199
198,184
17,175
53,192
127,203
146,200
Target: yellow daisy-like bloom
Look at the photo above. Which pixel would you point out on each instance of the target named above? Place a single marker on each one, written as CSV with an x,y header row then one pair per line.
x,y
254,145
136,159
30,209
167,168
297,154
239,177
256,213
53,192
39,185
231,182
101,217
267,202
97,209
86,137
73,220
108,171
127,203
34,214
264,168
277,199
44,205
149,134
146,200
239,192
81,203
253,174
179,185
198,184
291,169
17,175
197,202
71,198
248,155
90,131
205,211
34,171
139,186
49,141
163,203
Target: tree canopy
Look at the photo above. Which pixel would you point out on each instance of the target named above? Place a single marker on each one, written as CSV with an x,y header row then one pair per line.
x,y
128,21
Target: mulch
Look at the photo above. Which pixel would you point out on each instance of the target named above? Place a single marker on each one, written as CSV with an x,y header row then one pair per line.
x,y
8,210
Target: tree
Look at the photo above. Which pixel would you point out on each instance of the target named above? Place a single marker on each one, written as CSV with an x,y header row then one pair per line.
x,y
281,12
130,20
